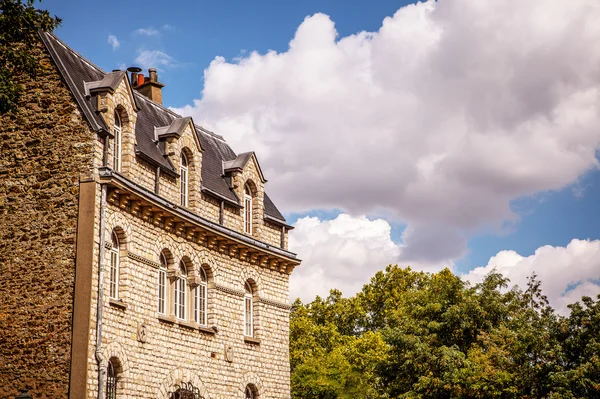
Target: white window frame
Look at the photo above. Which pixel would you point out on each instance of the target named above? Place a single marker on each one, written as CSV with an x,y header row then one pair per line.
x,y
247,210
248,310
180,293
201,300
118,132
184,179
113,275
162,286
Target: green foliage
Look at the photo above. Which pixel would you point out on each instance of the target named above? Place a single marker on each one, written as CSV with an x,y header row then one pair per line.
x,y
19,24
411,334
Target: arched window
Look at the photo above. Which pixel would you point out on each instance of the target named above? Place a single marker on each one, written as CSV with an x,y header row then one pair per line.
x,y
180,287
114,267
162,284
248,310
183,176
200,299
249,394
111,381
117,143
247,210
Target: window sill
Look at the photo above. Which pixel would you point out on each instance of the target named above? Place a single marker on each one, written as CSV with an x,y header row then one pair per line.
x,y
166,319
187,324
252,340
117,303
207,330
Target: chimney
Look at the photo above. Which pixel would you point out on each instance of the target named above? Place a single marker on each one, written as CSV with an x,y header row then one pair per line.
x,y
150,86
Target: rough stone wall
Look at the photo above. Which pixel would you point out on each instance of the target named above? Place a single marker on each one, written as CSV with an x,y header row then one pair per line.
x,y
178,351
43,150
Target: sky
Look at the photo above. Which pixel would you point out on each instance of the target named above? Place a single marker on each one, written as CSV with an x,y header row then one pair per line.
x,y
460,134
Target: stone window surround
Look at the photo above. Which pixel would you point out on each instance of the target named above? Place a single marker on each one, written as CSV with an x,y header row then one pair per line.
x,y
113,267
211,330
184,179
117,142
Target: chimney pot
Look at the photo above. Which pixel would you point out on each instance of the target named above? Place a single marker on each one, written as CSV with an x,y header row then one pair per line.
x,y
153,75
149,86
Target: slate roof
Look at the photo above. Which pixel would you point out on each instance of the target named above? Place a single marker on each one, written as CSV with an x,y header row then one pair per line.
x,y
76,70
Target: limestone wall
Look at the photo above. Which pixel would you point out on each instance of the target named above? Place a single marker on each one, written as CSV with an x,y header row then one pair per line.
x,y
44,148
175,350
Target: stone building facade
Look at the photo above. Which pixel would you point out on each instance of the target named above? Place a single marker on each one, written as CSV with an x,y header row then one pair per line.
x,y
141,257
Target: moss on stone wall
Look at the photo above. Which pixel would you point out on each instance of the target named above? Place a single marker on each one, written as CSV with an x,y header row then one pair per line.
x,y
44,147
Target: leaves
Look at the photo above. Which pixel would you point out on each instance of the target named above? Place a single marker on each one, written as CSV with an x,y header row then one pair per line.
x,y
19,24
411,334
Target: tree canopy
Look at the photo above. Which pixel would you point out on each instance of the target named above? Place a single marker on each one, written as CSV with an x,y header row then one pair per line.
x,y
19,26
411,334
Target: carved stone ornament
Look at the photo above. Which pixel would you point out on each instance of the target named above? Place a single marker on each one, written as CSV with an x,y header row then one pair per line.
x,y
229,353
142,332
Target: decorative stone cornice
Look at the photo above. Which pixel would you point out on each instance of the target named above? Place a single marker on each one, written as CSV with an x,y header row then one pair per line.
x,y
229,290
143,260
276,304
128,195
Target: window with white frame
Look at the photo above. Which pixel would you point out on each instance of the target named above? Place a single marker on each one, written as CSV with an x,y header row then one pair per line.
x,y
247,210
113,282
200,300
248,310
180,288
162,285
183,177
117,143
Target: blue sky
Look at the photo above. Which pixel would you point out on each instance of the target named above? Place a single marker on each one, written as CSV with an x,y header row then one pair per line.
x,y
519,203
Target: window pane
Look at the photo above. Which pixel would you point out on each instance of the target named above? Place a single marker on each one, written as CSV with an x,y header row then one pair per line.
x,y
202,304
248,317
114,273
162,277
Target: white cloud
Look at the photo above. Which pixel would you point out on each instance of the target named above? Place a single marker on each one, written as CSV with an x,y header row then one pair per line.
x,y
566,273
345,252
154,59
342,253
440,118
113,41
148,32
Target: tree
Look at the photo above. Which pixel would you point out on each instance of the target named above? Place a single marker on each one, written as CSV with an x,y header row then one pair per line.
x,y
19,26
411,334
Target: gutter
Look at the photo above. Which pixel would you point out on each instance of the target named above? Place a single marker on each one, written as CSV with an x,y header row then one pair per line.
x,y
279,222
100,300
220,197
106,173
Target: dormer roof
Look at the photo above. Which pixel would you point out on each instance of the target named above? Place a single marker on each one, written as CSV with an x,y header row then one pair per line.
x,y
109,82
175,130
152,119
239,163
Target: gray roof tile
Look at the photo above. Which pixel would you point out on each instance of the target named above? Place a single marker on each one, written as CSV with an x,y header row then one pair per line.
x,y
76,70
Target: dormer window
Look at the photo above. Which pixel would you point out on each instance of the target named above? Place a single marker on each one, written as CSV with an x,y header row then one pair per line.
x,y
117,143
183,172
247,210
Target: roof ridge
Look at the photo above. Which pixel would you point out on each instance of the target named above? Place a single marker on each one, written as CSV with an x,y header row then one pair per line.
x,y
68,48
176,115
